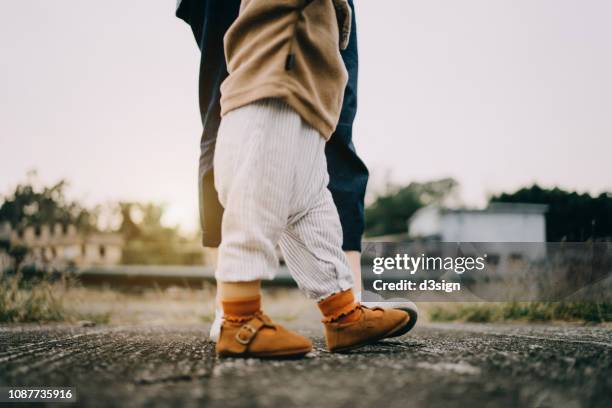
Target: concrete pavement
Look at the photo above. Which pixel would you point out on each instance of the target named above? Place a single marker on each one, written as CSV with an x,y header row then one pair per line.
x,y
434,366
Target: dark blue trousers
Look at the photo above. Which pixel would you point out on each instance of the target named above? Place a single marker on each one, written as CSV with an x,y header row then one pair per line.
x,y
209,19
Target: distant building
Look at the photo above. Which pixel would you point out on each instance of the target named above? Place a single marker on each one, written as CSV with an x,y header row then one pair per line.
x,y
61,245
499,222
497,225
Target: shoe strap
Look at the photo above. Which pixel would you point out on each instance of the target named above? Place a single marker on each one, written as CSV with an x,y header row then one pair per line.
x,y
248,331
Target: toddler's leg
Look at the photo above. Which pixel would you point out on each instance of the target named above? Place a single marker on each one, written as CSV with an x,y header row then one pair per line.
x,y
253,161
254,175
312,248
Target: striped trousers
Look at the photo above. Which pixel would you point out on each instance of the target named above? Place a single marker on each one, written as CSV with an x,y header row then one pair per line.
x,y
271,176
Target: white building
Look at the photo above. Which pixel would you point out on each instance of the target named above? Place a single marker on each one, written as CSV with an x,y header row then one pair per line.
x,y
499,222
60,245
512,237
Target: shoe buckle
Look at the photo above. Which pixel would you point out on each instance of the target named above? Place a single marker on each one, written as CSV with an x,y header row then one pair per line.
x,y
249,337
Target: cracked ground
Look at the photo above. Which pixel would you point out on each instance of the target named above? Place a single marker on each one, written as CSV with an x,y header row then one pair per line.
x,y
436,365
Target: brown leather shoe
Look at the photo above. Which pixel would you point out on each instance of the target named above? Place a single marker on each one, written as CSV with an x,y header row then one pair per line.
x,y
258,336
373,325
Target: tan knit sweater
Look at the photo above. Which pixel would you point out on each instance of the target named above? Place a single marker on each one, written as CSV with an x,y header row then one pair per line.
x,y
289,49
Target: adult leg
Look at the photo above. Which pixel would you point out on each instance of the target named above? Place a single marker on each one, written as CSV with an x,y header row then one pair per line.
x,y
209,20
348,174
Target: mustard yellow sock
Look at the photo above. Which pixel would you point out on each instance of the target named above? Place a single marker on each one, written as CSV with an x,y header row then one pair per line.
x,y
241,308
340,308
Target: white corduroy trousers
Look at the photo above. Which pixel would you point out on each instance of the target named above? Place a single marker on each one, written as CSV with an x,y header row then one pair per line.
x,y
271,176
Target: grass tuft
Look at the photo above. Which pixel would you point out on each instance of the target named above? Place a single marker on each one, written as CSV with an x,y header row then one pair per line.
x,y
596,312
38,300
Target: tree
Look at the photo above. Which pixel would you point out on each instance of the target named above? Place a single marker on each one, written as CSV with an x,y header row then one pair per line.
x,y
149,242
571,216
32,206
143,222
129,229
389,212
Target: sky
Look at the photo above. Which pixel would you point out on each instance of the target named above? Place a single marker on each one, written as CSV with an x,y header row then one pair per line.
x,y
497,94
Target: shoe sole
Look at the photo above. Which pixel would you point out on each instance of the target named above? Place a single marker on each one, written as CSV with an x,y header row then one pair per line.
x,y
403,330
390,333
282,354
